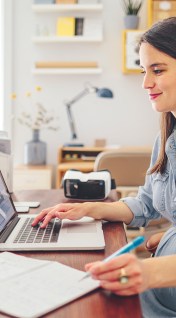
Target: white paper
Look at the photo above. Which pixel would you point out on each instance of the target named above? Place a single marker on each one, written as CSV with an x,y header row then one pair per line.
x,y
31,288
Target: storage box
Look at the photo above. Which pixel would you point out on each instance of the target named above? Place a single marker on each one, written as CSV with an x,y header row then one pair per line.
x,y
44,1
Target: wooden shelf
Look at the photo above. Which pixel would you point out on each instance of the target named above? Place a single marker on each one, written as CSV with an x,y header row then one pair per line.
x,y
70,39
41,8
62,71
74,158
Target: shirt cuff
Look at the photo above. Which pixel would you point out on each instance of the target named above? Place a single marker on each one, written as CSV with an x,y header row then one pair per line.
x,y
134,205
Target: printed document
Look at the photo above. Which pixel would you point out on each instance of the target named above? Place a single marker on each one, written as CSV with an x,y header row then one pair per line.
x,y
31,288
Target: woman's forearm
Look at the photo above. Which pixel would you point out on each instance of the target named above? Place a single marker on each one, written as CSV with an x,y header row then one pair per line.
x,y
160,271
114,211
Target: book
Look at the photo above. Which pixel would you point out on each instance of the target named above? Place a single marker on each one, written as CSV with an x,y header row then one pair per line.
x,y
31,288
65,1
66,26
79,23
65,64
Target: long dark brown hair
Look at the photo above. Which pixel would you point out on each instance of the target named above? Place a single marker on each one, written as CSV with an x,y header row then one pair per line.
x,y
162,36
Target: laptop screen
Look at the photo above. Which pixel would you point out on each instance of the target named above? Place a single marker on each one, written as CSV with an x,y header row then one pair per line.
x,y
7,210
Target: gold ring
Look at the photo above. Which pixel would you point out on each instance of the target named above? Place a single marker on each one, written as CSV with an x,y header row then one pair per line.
x,y
123,278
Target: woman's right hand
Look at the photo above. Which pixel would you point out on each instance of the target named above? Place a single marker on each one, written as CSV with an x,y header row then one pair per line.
x,y
71,211
110,211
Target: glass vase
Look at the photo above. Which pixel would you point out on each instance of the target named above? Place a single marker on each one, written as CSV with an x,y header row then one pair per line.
x,y
35,150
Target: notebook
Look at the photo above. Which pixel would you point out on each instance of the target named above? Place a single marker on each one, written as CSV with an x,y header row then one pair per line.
x,y
31,288
17,234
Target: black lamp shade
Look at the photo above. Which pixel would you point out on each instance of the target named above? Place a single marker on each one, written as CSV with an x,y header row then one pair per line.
x,y
104,92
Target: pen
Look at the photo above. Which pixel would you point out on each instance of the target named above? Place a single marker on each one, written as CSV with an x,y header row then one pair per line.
x,y
125,249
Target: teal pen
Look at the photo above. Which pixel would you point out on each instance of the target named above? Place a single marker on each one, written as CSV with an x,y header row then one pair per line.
x,y
125,249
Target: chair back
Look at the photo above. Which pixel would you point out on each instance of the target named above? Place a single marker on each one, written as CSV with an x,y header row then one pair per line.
x,y
128,168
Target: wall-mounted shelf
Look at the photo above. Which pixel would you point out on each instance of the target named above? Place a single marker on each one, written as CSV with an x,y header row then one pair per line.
x,y
41,8
89,30
73,39
66,71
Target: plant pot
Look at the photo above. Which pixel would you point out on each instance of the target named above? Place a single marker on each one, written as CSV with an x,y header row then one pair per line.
x,y
35,150
131,21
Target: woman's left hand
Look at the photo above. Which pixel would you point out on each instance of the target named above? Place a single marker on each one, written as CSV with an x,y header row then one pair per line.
x,y
109,274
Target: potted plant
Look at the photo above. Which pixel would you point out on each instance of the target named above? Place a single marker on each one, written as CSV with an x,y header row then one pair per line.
x,y
132,8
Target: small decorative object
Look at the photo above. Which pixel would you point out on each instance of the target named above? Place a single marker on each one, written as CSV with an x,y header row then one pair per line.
x,y
132,8
35,150
38,119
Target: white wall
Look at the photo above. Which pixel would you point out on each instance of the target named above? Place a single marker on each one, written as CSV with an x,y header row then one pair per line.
x,y
128,119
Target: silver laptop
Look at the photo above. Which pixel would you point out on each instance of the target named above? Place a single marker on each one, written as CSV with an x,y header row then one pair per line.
x,y
17,234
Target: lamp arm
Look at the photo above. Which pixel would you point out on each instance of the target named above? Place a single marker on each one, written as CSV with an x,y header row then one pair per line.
x,y
78,96
69,112
71,122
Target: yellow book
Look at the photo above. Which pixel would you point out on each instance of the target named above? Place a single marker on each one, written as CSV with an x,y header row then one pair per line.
x,y
66,26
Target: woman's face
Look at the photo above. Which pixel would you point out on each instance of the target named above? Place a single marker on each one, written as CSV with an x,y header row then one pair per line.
x,y
159,78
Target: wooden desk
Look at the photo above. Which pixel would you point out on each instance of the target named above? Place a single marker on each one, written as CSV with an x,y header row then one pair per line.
x,y
99,303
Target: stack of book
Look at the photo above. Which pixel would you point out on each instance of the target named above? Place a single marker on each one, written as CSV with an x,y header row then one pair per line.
x,y
72,26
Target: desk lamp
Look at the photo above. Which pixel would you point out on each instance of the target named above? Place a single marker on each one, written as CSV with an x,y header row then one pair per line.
x,y
100,92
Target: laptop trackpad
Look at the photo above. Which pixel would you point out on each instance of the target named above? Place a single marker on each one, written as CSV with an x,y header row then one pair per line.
x,y
81,234
81,228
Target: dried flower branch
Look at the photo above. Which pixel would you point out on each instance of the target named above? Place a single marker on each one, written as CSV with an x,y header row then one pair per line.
x,y
40,118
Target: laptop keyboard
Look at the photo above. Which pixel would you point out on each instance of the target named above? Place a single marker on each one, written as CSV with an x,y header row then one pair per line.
x,y
30,234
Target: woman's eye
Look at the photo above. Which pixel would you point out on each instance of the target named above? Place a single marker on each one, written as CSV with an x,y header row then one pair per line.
x,y
143,72
157,71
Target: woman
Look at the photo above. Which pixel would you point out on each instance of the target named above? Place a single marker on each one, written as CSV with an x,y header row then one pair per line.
x,y
126,274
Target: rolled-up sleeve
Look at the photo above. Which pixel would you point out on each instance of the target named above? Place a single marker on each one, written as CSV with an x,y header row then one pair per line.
x,y
142,205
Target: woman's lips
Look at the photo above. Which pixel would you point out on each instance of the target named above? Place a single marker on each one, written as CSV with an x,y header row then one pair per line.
x,y
154,96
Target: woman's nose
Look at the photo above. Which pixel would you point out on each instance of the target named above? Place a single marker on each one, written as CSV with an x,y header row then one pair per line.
x,y
148,82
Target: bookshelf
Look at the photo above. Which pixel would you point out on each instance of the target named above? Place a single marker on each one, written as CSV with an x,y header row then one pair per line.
x,y
159,10
80,158
92,33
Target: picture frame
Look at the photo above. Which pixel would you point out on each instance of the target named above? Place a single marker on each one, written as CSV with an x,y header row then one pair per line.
x,y
131,63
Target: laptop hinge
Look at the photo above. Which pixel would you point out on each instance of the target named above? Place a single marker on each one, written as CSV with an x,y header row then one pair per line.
x,y
5,234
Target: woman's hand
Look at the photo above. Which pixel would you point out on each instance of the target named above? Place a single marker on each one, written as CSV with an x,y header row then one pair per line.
x,y
109,274
111,211
72,211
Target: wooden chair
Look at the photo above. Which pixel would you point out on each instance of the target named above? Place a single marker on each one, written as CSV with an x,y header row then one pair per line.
x,y
128,168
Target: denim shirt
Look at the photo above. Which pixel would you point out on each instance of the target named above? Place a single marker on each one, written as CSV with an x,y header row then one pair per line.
x,y
157,198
